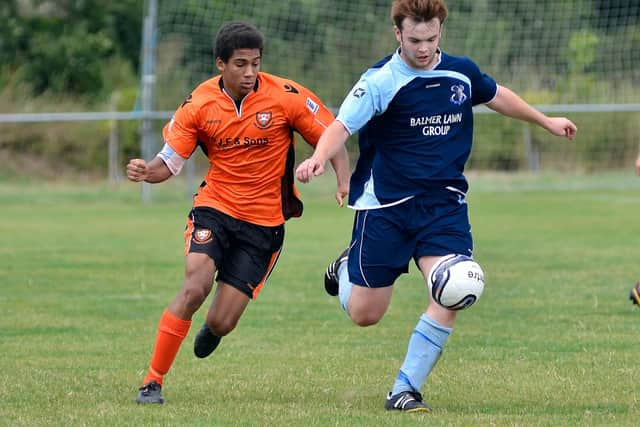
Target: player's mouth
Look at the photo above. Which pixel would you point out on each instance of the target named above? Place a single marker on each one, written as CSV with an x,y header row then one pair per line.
x,y
247,85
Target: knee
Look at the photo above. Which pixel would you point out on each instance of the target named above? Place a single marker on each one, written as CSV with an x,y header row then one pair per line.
x,y
366,311
193,297
221,326
364,318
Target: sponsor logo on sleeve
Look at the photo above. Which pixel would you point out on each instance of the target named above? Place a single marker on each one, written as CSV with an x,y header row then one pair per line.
x,y
359,92
187,101
289,88
312,106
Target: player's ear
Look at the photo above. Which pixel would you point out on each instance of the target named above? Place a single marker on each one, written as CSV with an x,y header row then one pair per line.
x,y
220,64
398,33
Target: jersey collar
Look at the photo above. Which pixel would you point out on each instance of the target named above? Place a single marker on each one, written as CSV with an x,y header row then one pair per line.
x,y
399,58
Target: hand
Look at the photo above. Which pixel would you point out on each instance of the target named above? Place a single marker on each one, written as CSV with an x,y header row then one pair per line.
x,y
137,170
341,193
309,168
561,126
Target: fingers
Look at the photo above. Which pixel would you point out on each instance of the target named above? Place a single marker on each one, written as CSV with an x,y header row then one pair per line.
x,y
562,126
137,170
318,170
571,130
302,172
308,169
340,197
568,133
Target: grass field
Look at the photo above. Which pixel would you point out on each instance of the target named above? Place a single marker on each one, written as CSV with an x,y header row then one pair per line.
x,y
85,271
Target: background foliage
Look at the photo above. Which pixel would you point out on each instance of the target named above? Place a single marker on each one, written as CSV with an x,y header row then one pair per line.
x,y
66,46
69,55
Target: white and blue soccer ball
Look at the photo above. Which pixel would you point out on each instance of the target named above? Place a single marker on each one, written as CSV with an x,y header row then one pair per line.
x,y
456,282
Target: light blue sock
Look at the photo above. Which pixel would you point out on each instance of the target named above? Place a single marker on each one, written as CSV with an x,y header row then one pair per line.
x,y
344,290
425,346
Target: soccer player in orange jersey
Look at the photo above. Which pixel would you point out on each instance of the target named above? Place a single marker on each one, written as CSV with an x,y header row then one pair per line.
x,y
244,120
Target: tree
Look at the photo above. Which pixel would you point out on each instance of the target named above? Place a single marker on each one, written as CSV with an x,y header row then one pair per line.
x,y
62,46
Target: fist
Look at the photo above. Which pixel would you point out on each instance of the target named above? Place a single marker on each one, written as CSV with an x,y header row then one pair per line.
x,y
137,170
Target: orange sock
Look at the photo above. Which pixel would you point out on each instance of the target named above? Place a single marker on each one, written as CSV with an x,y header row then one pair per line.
x,y
171,333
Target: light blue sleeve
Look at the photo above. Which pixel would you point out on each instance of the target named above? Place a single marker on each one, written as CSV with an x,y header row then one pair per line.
x,y
361,104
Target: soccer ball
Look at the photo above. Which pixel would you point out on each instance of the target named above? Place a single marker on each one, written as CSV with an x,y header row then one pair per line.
x,y
455,282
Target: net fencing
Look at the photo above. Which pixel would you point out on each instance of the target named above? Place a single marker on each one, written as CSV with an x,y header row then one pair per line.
x,y
579,57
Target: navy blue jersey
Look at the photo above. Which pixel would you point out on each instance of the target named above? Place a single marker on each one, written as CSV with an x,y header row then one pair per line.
x,y
415,128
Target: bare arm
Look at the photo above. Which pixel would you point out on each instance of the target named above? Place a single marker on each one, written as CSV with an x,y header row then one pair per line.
x,y
153,172
510,104
330,144
638,165
342,168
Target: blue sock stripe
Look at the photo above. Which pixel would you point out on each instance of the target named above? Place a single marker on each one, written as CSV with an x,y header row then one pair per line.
x,y
429,321
417,332
402,377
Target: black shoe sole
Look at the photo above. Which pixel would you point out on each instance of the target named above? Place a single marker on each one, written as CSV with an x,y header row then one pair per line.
x,y
416,404
141,401
150,394
330,286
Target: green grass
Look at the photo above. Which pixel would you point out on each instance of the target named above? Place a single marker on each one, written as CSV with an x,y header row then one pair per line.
x,y
85,271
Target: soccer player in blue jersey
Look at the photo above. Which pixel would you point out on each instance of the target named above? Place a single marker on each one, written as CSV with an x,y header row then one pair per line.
x,y
413,112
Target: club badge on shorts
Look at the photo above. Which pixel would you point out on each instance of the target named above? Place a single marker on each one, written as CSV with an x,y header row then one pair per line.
x,y
202,236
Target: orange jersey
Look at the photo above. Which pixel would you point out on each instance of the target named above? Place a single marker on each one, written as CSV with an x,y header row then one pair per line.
x,y
249,146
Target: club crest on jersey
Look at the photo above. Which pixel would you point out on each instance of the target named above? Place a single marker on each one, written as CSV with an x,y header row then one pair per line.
x,y
202,236
263,119
458,97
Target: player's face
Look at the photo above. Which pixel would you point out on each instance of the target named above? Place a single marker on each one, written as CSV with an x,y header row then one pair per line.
x,y
419,42
239,74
